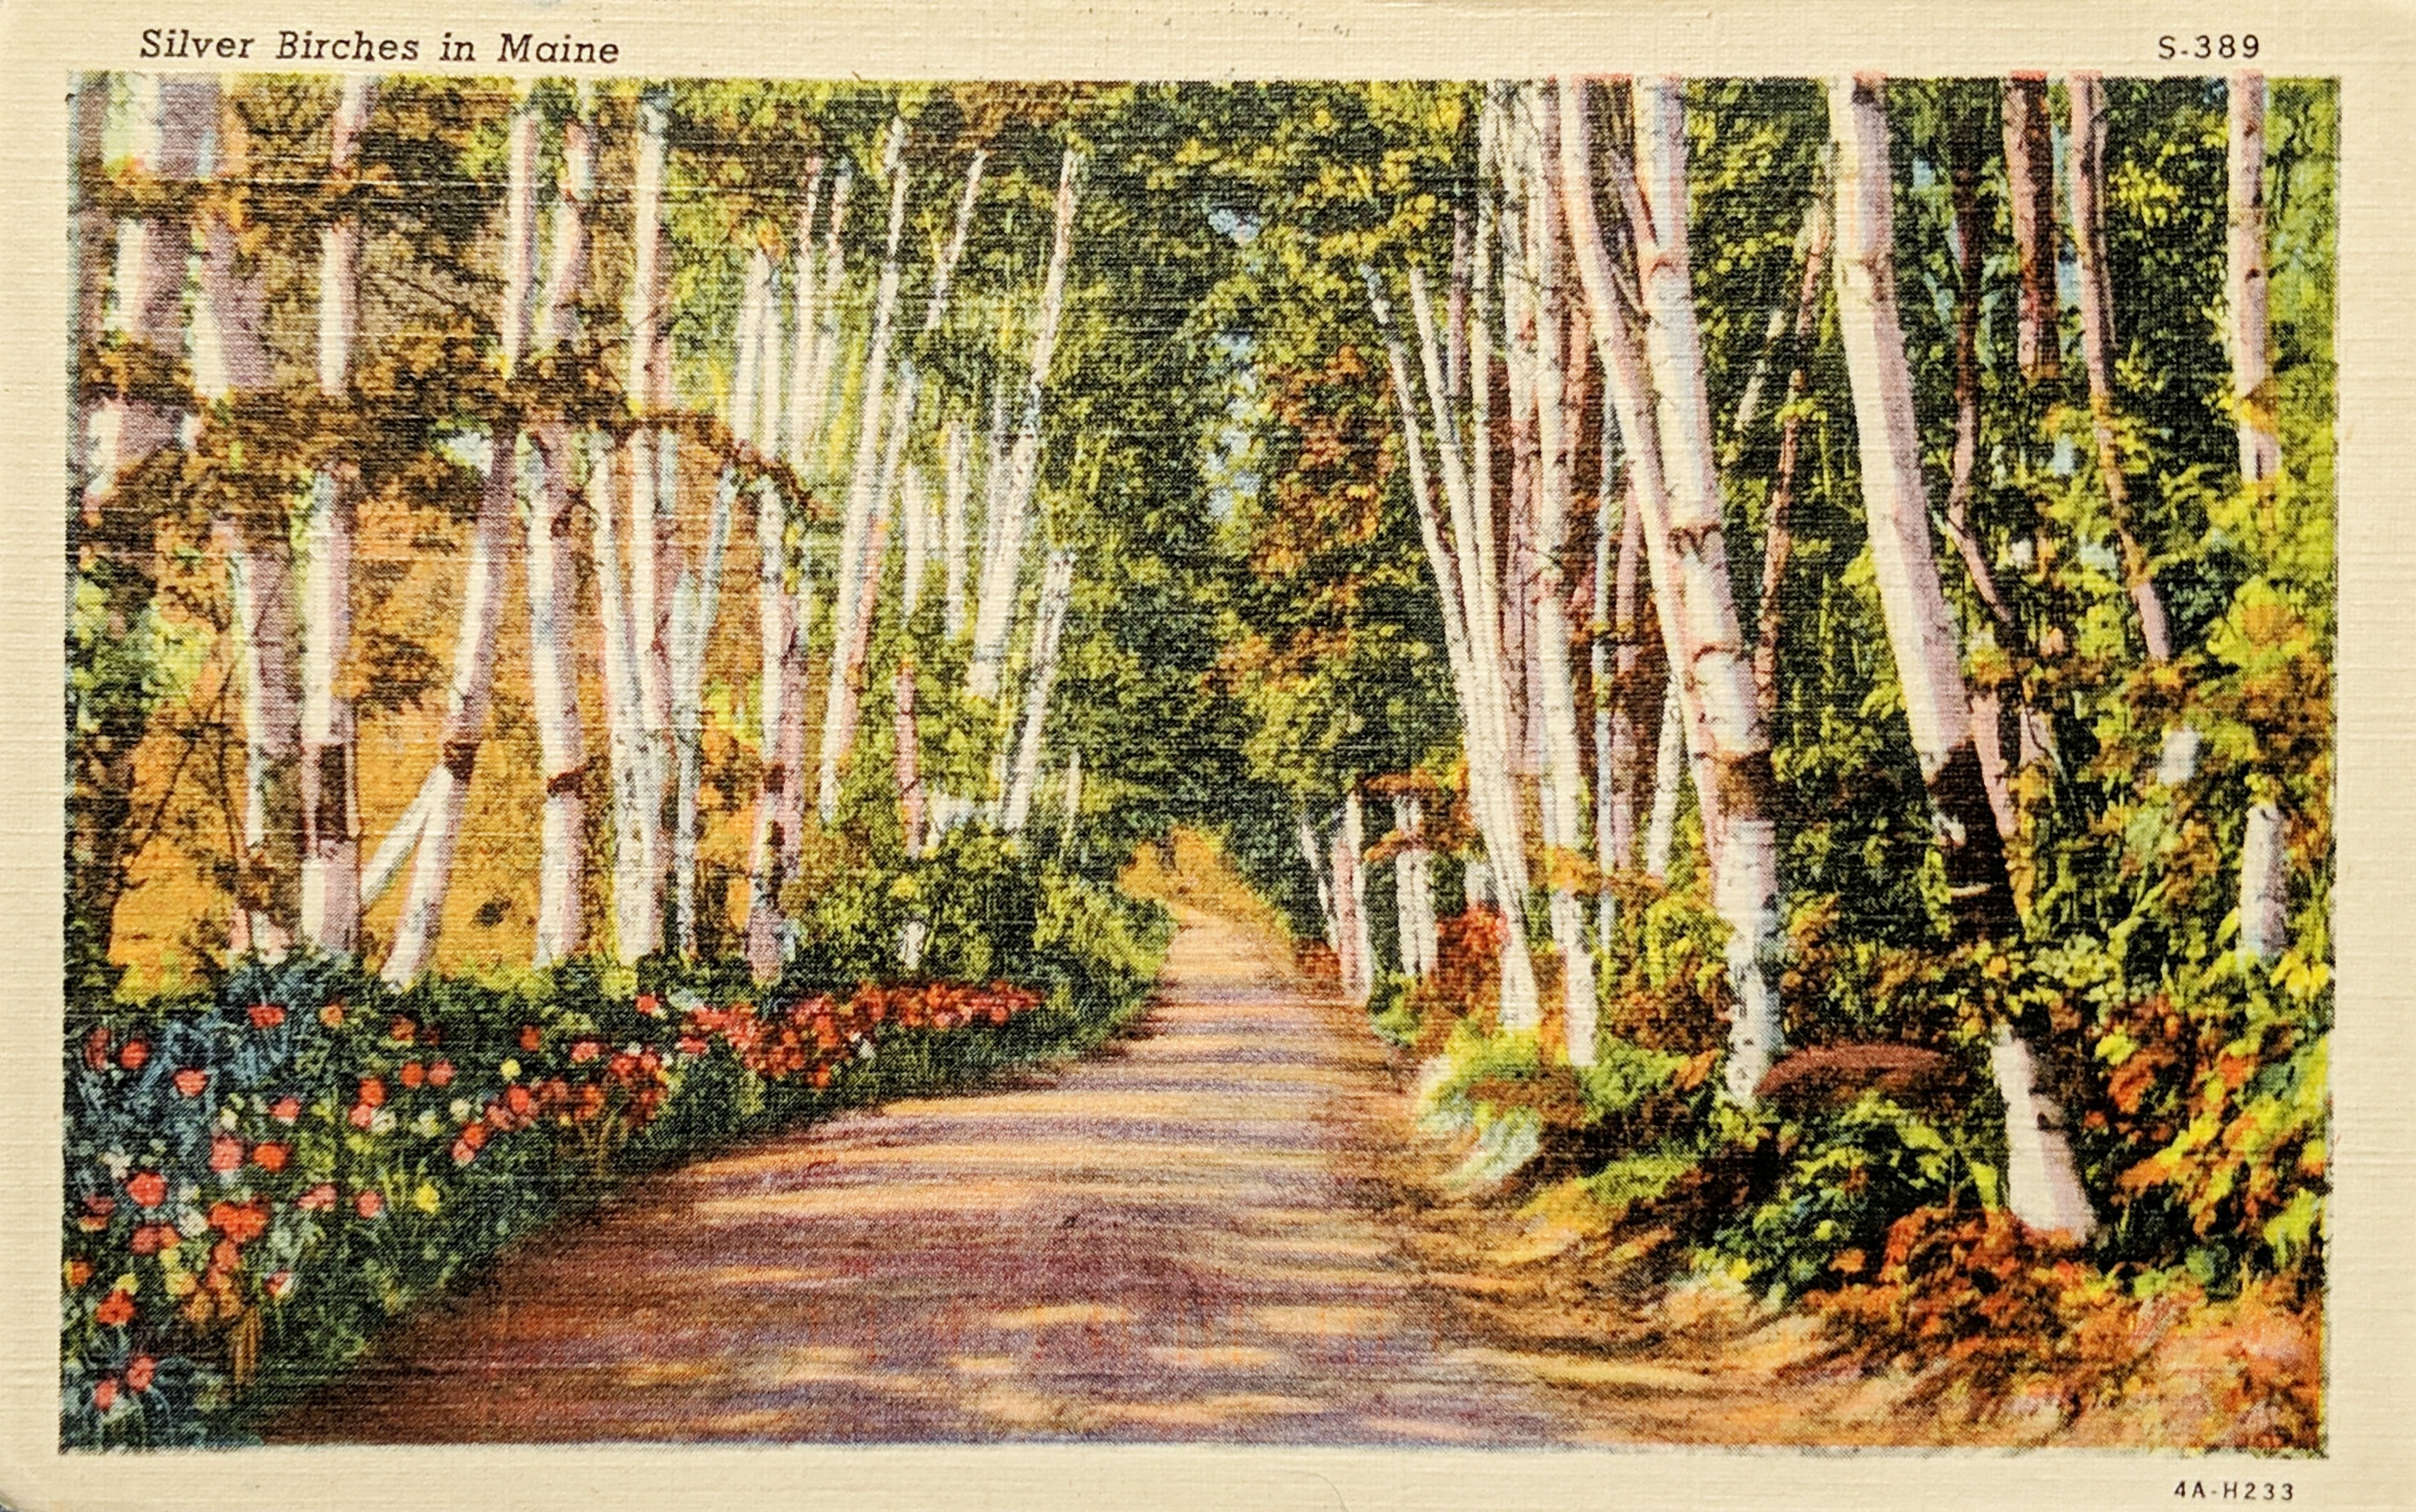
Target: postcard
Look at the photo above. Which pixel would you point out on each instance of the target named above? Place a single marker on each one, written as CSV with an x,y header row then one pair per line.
x,y
1401,755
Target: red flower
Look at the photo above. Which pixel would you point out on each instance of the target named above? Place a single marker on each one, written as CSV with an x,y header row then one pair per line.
x,y
266,1016
79,1272
280,1285
413,1073
226,1154
441,1074
287,1109
104,1395
191,1079
530,1038
475,1136
148,1187
585,1050
518,1100
372,1092
318,1198
269,1158
115,1309
692,1045
649,1004
362,1116
401,1029
241,1222
225,1258
146,1240
96,1047
369,1204
134,1054
463,1151
139,1372
821,1076
332,1016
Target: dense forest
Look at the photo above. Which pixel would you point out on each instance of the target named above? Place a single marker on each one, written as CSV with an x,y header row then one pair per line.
x,y
1777,634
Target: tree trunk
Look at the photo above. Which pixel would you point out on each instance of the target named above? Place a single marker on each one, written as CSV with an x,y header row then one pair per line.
x,y
1351,899
1778,534
1319,860
637,930
1563,788
1672,446
2043,1186
1003,532
1469,624
331,833
1921,631
232,364
1669,771
112,534
2245,284
1412,888
856,580
1056,593
2087,157
777,616
466,703
2030,190
695,603
2264,883
554,585
654,484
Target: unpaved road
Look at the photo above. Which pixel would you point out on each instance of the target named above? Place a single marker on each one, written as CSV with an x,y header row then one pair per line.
x,y
1182,1238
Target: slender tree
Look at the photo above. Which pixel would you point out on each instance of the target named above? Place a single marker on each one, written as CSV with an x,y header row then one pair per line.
x,y
2043,1186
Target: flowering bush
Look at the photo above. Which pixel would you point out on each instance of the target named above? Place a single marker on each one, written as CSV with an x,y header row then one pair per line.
x,y
254,1187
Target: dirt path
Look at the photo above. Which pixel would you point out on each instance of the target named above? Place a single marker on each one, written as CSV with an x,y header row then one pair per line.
x,y
1181,1238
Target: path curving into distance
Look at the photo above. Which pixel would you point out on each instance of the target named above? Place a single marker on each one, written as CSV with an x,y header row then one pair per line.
x,y
1177,1238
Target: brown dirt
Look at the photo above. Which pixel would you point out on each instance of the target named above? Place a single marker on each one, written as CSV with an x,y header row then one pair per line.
x,y
1180,1238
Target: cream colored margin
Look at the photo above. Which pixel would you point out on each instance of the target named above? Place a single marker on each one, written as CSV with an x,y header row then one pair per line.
x,y
2372,1407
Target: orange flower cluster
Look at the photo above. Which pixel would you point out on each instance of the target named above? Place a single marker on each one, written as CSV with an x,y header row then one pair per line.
x,y
812,1039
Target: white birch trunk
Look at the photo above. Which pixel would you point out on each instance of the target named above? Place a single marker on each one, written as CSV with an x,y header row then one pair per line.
x,y
2244,285
1563,792
1668,775
952,525
2043,1184
1672,447
466,703
695,602
1412,889
331,834
173,128
233,360
1002,543
1319,861
1350,851
553,581
2087,180
636,799
653,482
1056,593
863,500
775,614
2264,883
1469,629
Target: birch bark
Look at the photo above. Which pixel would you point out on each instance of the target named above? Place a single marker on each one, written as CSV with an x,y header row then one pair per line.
x,y
2043,1181
1007,522
2245,284
331,834
1056,593
1666,424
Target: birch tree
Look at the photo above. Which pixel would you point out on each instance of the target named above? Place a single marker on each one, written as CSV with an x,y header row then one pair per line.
x,y
1015,473
552,581
232,367
1666,431
1056,596
469,696
2043,1184
331,836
